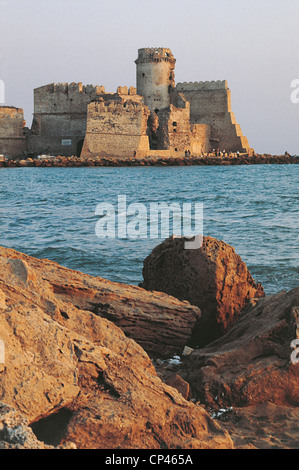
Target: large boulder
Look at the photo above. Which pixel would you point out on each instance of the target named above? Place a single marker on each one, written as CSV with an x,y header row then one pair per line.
x,y
75,377
161,324
253,363
212,277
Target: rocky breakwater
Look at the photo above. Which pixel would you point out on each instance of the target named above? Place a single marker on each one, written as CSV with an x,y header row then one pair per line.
x,y
71,377
247,377
111,161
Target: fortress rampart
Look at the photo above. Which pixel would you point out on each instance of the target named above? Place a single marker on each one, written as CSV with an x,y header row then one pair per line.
x,y
125,137
12,138
65,98
210,103
195,86
59,120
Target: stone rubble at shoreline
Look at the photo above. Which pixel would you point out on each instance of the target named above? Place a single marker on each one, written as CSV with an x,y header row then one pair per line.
x,y
209,159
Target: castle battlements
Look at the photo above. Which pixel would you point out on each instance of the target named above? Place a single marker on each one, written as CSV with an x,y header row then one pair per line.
x,y
207,85
154,54
120,107
124,90
67,88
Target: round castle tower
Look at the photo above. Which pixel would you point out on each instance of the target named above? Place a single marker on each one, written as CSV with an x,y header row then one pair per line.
x,y
155,76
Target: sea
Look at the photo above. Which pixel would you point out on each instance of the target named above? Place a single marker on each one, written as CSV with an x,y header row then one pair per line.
x,y
55,213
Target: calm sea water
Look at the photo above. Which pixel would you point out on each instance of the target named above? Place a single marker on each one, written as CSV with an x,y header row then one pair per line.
x,y
50,213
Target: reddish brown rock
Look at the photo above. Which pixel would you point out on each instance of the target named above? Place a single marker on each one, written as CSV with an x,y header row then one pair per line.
x,y
15,432
212,277
161,324
263,426
176,381
253,363
75,376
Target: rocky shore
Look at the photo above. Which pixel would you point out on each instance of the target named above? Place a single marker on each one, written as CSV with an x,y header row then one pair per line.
x,y
210,159
176,363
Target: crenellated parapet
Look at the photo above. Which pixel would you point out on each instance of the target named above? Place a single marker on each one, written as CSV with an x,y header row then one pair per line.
x,y
116,127
155,54
118,107
65,98
72,88
203,85
124,90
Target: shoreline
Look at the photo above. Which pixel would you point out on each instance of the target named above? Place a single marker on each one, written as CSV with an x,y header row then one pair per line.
x,y
208,160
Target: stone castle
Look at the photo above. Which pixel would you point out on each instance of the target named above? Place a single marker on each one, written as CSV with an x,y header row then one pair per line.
x,y
157,117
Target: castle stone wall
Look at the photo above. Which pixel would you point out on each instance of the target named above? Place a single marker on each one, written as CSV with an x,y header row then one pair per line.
x,y
207,85
12,139
65,98
210,103
175,132
59,121
201,138
174,129
116,128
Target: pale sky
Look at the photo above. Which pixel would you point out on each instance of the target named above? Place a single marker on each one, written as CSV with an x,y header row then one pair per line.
x,y
253,44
